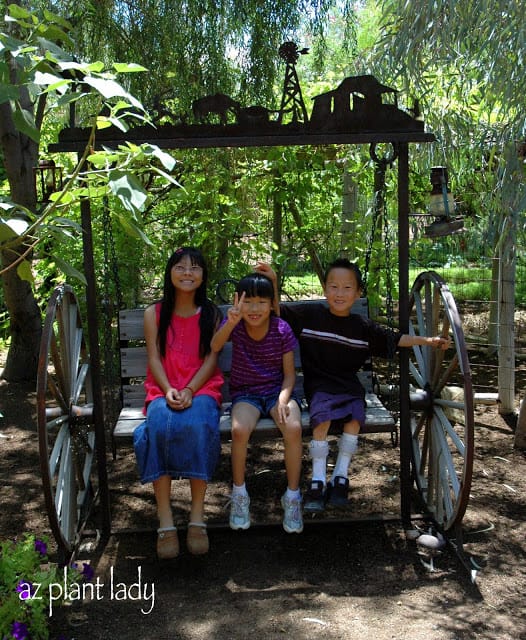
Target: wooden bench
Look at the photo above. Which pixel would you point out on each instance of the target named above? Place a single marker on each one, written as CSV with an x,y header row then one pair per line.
x,y
133,371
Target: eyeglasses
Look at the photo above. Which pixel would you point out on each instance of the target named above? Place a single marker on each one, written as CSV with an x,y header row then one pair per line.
x,y
178,268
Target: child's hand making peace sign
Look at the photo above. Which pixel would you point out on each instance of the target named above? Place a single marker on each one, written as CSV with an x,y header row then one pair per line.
x,y
235,314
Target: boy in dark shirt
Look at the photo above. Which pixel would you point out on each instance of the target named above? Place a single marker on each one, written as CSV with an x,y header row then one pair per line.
x,y
334,344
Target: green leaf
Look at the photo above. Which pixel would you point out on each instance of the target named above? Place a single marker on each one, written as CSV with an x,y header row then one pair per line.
x,y
18,12
53,51
166,159
11,44
111,89
54,33
24,271
128,189
53,17
12,228
53,82
100,159
121,67
8,92
133,230
120,124
168,177
66,222
70,270
103,122
25,123
67,98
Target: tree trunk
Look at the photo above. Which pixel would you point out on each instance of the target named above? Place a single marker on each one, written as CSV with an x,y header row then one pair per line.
x,y
20,157
25,325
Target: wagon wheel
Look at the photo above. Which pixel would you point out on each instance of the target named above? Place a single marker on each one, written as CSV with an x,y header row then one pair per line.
x,y
66,433
441,404
225,290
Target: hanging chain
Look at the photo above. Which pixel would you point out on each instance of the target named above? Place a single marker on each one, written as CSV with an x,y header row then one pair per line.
x,y
369,250
381,166
389,304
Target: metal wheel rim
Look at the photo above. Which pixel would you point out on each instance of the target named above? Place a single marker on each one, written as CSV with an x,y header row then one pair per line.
x,y
442,430
66,435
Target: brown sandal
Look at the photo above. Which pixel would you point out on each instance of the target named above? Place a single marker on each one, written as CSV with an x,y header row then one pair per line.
x,y
197,538
167,543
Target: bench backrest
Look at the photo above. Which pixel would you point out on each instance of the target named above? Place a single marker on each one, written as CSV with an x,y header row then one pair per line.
x,y
133,357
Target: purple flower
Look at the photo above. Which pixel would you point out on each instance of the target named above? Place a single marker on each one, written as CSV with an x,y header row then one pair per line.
x,y
41,547
25,589
87,572
19,631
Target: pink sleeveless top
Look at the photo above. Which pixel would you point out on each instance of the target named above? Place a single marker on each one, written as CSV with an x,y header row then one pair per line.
x,y
182,360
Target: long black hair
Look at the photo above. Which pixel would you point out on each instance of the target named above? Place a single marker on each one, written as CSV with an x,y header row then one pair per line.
x,y
210,314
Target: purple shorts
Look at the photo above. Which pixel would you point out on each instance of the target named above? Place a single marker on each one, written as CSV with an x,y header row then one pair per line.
x,y
325,407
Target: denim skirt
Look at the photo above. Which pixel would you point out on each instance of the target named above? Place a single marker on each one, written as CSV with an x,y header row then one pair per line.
x,y
180,444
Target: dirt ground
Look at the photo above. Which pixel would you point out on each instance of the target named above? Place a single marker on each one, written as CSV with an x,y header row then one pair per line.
x,y
359,579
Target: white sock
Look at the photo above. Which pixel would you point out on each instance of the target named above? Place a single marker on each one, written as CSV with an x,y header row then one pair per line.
x,y
240,490
293,494
319,450
346,449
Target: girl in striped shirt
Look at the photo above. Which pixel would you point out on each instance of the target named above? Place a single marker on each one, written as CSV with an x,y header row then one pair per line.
x,y
261,385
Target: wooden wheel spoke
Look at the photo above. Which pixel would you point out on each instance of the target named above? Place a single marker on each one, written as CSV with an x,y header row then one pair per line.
x,y
56,452
80,382
415,371
56,394
55,361
446,375
447,459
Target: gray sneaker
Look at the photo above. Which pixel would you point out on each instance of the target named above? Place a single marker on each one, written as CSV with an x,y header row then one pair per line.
x,y
239,512
292,517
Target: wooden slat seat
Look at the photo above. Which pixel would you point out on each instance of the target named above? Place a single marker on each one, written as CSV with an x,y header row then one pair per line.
x,y
133,370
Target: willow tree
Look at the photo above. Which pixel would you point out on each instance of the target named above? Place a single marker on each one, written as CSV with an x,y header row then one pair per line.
x,y
464,58
195,47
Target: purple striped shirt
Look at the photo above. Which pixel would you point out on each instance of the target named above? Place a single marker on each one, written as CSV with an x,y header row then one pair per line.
x,y
257,365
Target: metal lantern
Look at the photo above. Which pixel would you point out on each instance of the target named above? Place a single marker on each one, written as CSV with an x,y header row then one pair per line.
x,y
442,206
48,180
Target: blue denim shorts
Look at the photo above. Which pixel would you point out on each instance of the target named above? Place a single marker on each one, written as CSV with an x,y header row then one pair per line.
x,y
262,403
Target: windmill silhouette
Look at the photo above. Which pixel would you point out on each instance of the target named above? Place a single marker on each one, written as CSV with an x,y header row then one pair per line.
x,y
292,100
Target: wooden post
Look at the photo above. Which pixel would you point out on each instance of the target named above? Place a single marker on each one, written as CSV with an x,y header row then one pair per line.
x,y
403,287
511,191
520,432
93,338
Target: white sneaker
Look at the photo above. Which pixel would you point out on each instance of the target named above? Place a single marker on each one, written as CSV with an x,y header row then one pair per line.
x,y
239,511
292,517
